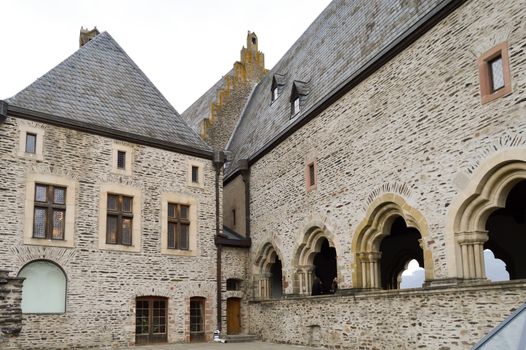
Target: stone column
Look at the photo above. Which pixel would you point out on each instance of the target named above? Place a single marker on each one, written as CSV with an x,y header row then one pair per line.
x,y
370,269
472,253
304,275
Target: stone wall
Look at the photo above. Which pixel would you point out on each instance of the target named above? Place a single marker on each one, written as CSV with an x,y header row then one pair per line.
x,y
234,199
235,265
438,318
102,284
416,130
10,309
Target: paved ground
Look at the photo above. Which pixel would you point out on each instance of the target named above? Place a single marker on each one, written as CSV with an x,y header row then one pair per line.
x,y
220,346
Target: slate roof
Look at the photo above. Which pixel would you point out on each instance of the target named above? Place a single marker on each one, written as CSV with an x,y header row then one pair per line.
x,y
99,84
346,36
200,109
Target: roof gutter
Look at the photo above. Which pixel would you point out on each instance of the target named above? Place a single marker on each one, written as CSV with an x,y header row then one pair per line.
x,y
392,50
28,114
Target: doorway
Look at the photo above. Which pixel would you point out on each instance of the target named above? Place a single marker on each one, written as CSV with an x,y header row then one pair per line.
x,y
150,320
233,316
197,319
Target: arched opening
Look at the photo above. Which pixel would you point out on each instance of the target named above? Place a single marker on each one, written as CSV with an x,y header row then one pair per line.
x,y
268,273
507,232
413,276
400,246
276,279
392,234
197,319
44,288
325,267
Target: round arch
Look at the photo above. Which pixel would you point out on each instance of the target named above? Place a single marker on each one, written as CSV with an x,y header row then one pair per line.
x,y
486,192
268,271
369,234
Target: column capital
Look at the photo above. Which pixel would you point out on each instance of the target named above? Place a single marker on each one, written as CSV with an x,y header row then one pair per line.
x,y
472,237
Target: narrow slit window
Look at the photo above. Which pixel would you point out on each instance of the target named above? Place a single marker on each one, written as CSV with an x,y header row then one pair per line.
x,y
312,175
121,160
495,73
233,217
275,93
195,174
31,143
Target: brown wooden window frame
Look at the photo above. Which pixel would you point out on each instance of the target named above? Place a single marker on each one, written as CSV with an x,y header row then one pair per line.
x,y
178,221
51,207
197,321
486,75
121,215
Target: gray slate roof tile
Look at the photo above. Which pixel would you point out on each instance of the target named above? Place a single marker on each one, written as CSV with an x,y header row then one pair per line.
x,y
344,38
100,84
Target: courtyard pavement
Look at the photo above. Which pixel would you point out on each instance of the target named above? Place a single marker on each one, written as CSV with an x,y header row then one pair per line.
x,y
221,346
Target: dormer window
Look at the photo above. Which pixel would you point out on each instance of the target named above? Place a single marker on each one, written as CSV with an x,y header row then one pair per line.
x,y
300,90
278,81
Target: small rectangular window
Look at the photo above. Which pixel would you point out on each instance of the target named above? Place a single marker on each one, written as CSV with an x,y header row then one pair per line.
x,y
121,160
31,143
178,226
119,219
195,174
497,73
296,106
494,73
50,212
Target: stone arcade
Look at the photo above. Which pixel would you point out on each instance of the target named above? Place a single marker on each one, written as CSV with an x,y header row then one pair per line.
x,y
389,132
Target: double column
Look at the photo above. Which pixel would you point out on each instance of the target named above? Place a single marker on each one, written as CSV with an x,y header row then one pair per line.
x,y
370,269
472,253
264,286
304,278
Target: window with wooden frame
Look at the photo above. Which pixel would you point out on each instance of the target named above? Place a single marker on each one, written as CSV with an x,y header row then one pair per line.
x,y
50,212
178,226
119,220
494,71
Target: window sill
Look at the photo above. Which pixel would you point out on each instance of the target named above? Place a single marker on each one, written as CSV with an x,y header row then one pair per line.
x,y
120,248
31,156
49,242
178,252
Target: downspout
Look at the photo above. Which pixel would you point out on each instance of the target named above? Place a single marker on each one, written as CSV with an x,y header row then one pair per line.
x,y
218,161
245,174
3,111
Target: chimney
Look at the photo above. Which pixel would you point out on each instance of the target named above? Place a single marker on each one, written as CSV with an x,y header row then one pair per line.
x,y
87,34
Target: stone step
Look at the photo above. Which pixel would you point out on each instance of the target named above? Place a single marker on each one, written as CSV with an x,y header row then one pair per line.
x,y
239,338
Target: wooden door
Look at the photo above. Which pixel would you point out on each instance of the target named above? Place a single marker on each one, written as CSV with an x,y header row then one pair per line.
x,y
150,320
233,315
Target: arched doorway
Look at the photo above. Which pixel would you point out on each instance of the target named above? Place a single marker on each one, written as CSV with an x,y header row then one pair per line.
x,y
151,320
276,279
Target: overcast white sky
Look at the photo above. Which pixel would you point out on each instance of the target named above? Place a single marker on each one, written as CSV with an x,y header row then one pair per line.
x,y
183,46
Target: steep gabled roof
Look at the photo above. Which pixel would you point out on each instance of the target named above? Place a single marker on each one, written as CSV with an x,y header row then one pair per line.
x,y
100,85
346,37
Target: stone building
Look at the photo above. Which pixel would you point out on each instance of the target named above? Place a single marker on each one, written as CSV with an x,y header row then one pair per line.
x,y
391,132
109,210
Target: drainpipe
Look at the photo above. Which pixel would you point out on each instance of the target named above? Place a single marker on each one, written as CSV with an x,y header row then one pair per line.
x,y
218,161
245,174
3,111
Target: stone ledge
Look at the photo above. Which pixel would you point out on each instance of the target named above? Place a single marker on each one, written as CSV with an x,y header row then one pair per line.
x,y
436,289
